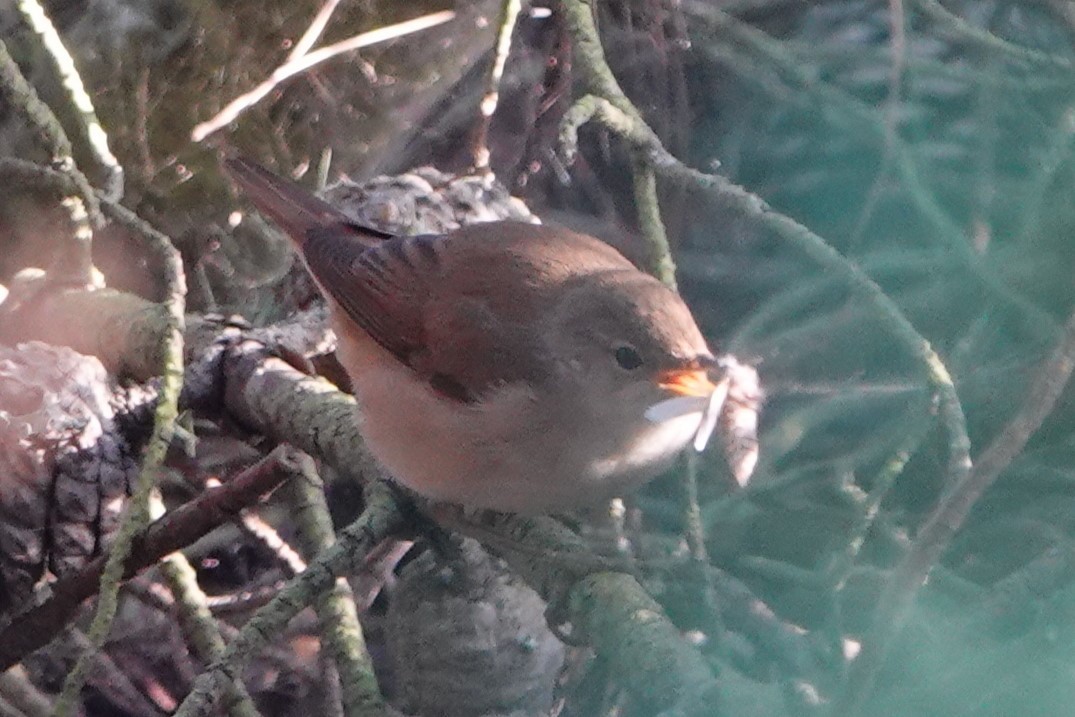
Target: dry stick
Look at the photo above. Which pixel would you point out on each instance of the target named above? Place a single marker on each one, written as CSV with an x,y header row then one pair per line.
x,y
336,611
255,526
508,15
381,519
948,517
65,65
81,204
293,67
378,571
36,626
313,32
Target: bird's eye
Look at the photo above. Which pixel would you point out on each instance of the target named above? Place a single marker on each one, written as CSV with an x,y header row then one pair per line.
x,y
628,358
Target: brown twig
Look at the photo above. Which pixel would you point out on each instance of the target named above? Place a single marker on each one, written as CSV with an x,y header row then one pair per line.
x,y
377,570
34,628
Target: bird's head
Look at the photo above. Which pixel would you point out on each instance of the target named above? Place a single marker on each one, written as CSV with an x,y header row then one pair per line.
x,y
632,346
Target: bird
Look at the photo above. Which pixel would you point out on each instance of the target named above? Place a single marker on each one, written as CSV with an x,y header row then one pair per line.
x,y
503,365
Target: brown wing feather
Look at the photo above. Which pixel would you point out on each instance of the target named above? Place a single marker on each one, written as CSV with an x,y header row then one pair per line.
x,y
297,211
458,309
463,310
377,287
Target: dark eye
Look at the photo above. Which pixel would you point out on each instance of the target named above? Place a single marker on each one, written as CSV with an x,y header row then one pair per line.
x,y
628,358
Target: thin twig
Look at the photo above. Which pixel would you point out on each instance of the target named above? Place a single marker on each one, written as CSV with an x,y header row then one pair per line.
x,y
377,571
81,203
897,23
644,181
946,519
300,64
96,137
137,514
961,29
253,525
313,32
508,14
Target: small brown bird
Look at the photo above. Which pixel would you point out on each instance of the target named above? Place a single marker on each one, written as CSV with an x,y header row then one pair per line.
x,y
504,365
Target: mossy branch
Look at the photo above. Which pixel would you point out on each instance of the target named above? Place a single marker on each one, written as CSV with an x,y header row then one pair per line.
x,y
336,610
381,519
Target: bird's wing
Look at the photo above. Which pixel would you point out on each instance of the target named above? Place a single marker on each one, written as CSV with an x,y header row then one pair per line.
x,y
455,332
381,287
293,208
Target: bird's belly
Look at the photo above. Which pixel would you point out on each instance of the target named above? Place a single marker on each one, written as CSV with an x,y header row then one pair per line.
x,y
646,451
498,455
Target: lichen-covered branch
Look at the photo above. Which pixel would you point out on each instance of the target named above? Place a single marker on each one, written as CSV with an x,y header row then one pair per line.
x,y
605,605
336,610
381,519
137,515
198,624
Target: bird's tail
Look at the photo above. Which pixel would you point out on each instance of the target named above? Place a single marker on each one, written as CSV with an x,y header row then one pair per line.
x,y
295,210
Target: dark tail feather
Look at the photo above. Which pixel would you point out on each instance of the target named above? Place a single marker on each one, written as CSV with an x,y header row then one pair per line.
x,y
295,210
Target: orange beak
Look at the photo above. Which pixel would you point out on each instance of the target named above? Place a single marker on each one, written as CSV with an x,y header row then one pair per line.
x,y
687,382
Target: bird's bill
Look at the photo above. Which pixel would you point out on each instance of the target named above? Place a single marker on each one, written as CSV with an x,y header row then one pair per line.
x,y
697,396
687,382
